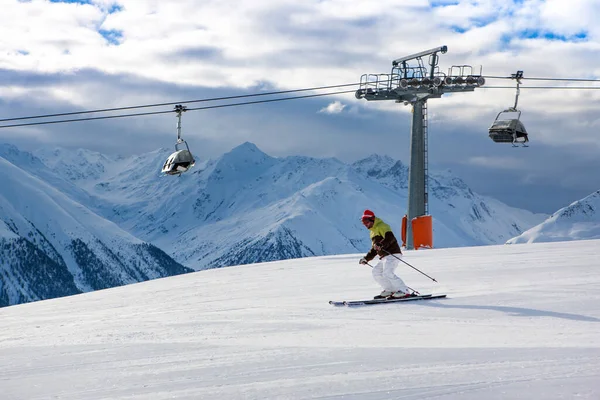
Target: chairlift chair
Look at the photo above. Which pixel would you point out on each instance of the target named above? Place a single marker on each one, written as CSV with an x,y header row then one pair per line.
x,y
509,130
182,159
179,161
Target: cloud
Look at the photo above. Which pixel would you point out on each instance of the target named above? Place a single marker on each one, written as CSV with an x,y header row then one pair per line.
x,y
513,162
333,108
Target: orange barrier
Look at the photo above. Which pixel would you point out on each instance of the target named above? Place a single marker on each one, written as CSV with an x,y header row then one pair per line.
x,y
422,230
404,230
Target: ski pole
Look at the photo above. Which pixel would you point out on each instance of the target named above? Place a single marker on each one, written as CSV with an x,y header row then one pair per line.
x,y
409,288
416,269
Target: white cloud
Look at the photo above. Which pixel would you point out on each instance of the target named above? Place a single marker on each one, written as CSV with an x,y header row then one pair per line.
x,y
333,108
240,43
502,162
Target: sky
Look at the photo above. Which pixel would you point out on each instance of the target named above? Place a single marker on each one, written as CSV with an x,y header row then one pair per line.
x,y
503,332
64,56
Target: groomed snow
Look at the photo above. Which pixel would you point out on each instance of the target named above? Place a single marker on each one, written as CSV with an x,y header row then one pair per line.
x,y
520,322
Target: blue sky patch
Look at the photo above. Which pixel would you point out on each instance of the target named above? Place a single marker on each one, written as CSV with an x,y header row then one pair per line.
x,y
443,3
458,29
484,21
72,1
112,36
539,34
475,23
115,8
505,38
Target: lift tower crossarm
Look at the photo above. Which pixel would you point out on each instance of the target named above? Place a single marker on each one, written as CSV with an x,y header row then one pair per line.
x,y
442,49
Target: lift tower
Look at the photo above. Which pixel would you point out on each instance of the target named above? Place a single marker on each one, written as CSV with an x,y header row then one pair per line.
x,y
412,82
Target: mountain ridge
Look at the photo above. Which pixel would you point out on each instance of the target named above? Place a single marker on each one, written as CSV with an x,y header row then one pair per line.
x,y
52,246
579,220
248,196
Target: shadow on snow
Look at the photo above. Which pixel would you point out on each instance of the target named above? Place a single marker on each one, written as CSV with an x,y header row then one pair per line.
x,y
516,311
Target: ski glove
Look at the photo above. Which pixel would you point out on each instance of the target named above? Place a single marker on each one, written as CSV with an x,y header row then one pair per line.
x,y
377,246
363,261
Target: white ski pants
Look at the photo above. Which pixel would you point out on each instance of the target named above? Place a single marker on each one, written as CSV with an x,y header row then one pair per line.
x,y
383,273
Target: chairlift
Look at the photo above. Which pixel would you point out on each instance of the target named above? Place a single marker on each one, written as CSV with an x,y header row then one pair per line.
x,y
510,130
181,160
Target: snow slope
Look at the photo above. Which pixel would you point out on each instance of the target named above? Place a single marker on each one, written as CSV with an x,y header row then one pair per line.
x,y
580,220
518,324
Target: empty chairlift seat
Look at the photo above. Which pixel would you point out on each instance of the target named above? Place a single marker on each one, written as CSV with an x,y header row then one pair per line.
x,y
508,130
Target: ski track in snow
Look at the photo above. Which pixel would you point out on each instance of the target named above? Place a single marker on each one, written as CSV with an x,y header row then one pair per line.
x,y
520,322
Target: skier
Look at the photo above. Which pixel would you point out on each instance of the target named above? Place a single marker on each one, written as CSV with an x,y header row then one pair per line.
x,y
386,247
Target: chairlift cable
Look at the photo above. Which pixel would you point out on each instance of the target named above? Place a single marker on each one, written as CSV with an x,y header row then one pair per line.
x,y
170,111
256,102
544,79
542,87
177,102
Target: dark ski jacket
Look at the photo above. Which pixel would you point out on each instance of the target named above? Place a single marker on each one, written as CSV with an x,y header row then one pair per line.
x,y
382,234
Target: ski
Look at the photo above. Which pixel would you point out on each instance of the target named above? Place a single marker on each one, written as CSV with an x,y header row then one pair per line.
x,y
385,301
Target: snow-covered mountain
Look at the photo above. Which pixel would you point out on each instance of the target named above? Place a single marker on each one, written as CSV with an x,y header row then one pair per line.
x,y
246,206
460,216
580,220
52,246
